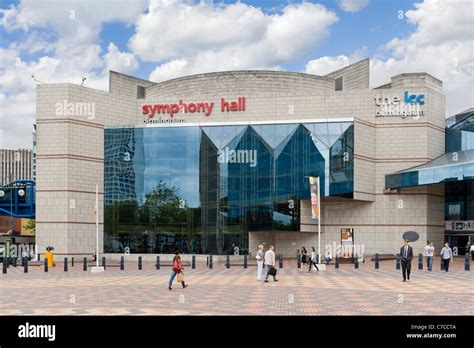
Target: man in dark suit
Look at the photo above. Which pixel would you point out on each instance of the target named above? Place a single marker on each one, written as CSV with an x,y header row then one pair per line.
x,y
406,253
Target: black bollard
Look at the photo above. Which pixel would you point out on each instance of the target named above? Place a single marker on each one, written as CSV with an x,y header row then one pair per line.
x,y
193,262
65,264
14,261
157,262
397,265
337,262
227,262
377,261
122,263
467,264
22,260
39,257
442,264
25,265
84,267
356,261
72,261
298,262
207,261
46,265
4,265
139,262
420,262
210,261
103,262
317,258
281,262
245,261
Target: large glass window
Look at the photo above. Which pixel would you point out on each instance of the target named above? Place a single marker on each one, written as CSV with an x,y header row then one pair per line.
x,y
202,189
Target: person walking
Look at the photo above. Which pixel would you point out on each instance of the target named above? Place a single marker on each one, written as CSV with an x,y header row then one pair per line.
x,y
446,256
304,257
313,261
472,251
429,252
406,252
177,269
270,264
260,255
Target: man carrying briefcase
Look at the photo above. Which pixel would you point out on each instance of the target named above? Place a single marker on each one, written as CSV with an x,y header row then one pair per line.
x,y
270,264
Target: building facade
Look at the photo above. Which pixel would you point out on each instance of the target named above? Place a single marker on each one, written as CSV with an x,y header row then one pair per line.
x,y
16,165
210,162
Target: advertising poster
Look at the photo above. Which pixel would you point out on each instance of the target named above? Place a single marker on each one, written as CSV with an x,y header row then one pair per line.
x,y
314,187
347,242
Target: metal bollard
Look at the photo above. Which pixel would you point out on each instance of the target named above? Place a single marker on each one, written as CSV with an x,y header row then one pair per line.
x,y
210,261
245,261
103,262
281,262
157,262
84,267
72,261
420,262
122,263
14,261
139,262
442,264
298,262
397,265
46,265
207,261
337,262
193,262
377,261
22,260
4,265
65,264
467,262
227,262
356,261
39,257
25,265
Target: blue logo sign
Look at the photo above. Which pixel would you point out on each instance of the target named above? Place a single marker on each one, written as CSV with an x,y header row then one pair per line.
x,y
414,99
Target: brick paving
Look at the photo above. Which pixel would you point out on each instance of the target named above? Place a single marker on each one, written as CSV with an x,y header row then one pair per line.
x,y
235,291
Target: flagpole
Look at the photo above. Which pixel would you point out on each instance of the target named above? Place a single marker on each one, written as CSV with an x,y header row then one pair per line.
x,y
97,224
319,221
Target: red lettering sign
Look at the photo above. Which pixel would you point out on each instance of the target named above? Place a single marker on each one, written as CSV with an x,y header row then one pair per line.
x,y
151,110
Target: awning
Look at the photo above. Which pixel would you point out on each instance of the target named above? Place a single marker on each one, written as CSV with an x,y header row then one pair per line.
x,y
452,166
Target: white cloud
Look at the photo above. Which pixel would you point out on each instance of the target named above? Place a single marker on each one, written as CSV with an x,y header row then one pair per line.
x,y
442,45
353,5
325,65
216,37
65,36
120,61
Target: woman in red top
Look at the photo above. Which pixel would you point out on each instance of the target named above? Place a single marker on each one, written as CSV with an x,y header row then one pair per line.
x,y
177,268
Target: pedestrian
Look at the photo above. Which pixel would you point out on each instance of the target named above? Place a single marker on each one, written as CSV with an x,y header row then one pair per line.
x,y
429,252
260,255
406,252
313,261
177,270
304,257
472,252
94,255
446,256
270,264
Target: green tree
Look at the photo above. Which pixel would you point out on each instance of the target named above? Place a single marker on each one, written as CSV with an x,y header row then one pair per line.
x,y
30,225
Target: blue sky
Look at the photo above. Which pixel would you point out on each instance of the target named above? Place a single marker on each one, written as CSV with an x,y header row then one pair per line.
x,y
63,41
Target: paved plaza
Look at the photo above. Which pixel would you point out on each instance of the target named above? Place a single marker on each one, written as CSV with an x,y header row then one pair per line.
x,y
235,291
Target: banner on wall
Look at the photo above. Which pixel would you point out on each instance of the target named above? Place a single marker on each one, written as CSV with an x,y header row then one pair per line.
x,y
347,242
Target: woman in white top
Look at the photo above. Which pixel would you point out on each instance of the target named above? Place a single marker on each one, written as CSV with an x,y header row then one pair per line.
x,y
260,255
